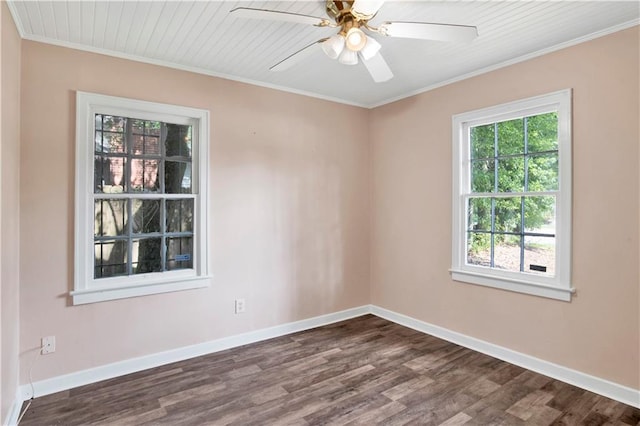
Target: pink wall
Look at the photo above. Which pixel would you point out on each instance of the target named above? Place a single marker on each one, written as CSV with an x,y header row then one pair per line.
x,y
10,207
290,184
598,332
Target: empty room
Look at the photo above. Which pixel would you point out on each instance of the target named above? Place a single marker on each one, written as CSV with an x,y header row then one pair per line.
x,y
320,212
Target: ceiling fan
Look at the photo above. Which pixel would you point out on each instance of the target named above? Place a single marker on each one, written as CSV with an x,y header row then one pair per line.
x,y
351,42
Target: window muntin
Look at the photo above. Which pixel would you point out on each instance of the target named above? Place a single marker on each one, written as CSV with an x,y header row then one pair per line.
x,y
141,198
512,196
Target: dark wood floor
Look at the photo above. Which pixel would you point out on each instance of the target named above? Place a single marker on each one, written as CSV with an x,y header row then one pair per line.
x,y
362,371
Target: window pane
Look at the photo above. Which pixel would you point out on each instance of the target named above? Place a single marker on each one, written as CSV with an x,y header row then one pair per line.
x,y
511,174
144,175
511,137
482,176
508,214
153,128
479,214
112,123
482,140
146,255
540,255
179,253
108,174
539,214
110,218
146,145
542,172
110,258
177,177
180,215
178,142
108,142
507,252
479,249
542,132
146,216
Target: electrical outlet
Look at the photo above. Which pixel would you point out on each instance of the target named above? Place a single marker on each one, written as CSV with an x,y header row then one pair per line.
x,y
48,345
240,306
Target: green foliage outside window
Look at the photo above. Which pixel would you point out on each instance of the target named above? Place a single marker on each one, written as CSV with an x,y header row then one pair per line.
x,y
525,153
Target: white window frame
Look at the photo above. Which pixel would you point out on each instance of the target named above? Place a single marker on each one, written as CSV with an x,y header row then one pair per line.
x,y
557,287
87,289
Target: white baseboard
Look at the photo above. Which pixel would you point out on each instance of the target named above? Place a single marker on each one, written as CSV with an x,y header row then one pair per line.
x,y
597,385
600,386
116,369
14,412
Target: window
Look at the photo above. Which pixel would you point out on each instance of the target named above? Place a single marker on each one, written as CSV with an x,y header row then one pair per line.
x,y
512,196
141,198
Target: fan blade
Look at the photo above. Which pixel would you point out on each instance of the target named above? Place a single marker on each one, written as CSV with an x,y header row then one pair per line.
x,y
298,56
378,68
426,31
246,12
366,8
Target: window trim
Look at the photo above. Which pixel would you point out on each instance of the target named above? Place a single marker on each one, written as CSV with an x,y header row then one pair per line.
x,y
558,287
87,289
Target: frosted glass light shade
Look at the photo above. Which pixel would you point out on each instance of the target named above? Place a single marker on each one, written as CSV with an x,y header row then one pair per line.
x,y
348,57
370,49
355,39
333,46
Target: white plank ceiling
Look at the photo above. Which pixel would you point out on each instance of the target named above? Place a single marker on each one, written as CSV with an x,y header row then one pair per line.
x,y
201,36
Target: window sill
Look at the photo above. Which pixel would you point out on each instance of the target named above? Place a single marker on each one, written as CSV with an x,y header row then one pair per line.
x,y
94,295
518,286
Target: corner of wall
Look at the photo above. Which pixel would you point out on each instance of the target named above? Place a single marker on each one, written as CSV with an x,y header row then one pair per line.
x,y
10,78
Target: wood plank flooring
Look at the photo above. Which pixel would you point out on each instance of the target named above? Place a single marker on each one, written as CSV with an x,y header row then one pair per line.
x,y
362,371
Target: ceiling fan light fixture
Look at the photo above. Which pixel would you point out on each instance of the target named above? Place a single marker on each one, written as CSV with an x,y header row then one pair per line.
x,y
333,46
355,39
370,49
348,57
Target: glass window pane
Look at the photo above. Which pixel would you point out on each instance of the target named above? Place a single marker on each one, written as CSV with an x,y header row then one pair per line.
x,y
110,218
511,137
482,176
177,177
540,214
146,256
146,216
540,255
146,145
108,174
482,141
179,253
98,121
507,252
542,172
511,174
137,126
145,175
178,142
110,258
479,214
180,215
113,123
508,214
542,132
109,142
479,249
153,128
